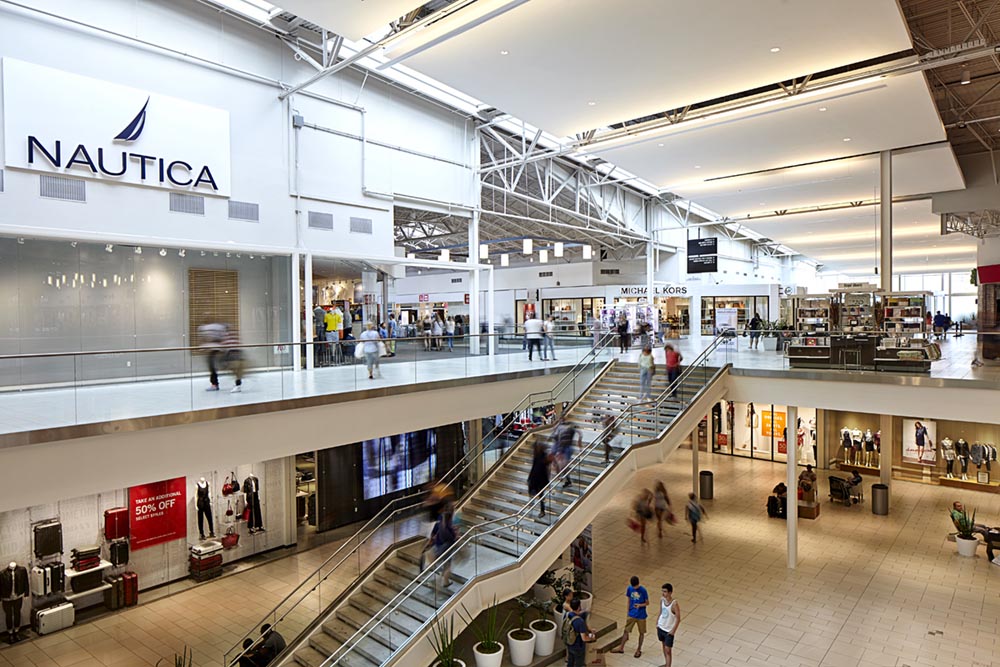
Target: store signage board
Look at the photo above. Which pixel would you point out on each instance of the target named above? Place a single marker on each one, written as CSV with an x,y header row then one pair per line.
x,y
703,255
658,290
772,424
423,298
157,513
860,286
71,125
726,319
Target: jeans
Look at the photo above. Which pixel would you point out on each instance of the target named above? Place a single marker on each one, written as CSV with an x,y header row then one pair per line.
x,y
534,344
576,657
451,341
672,375
645,383
549,345
371,361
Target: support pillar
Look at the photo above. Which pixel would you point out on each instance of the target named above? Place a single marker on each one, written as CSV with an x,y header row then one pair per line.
x,y
296,313
695,481
475,296
792,482
491,311
885,221
309,330
887,440
475,430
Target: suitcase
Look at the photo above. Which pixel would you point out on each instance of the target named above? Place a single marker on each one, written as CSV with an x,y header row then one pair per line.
x,y
57,577
131,586
200,564
206,548
114,597
85,581
116,523
52,619
48,538
773,507
40,585
87,552
118,553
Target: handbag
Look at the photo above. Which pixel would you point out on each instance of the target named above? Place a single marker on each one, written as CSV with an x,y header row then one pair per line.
x,y
226,488
381,349
234,486
246,513
229,510
230,539
359,351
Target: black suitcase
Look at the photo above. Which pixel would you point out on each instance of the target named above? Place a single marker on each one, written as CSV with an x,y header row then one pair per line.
x,y
114,597
57,577
773,506
118,553
85,581
48,538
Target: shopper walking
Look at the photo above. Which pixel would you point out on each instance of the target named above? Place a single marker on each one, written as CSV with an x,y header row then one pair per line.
x,y
647,368
642,508
638,600
390,345
212,337
533,332
754,326
443,536
667,623
674,360
598,330
538,477
370,340
623,338
549,341
437,331
575,632
235,361
425,332
449,333
661,507
566,438
695,513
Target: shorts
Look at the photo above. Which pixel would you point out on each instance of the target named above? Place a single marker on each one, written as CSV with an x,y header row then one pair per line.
x,y
666,638
639,622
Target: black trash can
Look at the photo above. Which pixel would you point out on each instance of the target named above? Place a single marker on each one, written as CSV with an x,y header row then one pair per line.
x,y
880,499
706,485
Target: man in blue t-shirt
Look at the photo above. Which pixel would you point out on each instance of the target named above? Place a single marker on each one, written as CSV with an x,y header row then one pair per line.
x,y
638,600
576,652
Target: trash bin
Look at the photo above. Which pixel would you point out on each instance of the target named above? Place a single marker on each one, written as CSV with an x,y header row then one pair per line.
x,y
706,485
880,499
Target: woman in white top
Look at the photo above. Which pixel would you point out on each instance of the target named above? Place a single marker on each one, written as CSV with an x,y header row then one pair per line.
x,y
436,330
370,348
449,332
667,623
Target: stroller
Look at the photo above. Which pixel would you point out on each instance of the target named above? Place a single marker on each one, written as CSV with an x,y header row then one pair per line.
x,y
842,491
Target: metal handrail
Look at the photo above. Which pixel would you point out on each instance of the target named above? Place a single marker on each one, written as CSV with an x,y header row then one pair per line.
x,y
517,517
408,502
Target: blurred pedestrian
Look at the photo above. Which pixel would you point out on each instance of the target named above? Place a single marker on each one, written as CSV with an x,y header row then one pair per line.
x,y
369,346
661,506
695,513
642,508
538,477
674,360
647,369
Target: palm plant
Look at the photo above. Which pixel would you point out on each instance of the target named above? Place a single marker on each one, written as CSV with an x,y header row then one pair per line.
x,y
185,659
489,629
965,524
442,639
524,606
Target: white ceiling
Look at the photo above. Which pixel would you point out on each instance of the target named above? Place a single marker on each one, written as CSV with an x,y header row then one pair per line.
x,y
885,113
644,56
352,19
920,170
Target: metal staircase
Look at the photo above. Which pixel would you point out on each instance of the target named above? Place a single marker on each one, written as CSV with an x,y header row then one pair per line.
x,y
505,544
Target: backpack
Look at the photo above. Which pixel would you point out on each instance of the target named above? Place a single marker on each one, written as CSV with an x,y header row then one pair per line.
x,y
569,633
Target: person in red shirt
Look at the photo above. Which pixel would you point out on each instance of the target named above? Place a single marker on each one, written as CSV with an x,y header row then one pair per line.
x,y
674,360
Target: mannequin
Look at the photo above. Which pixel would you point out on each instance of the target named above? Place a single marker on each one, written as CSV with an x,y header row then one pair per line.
x,y
204,505
845,443
856,445
13,589
251,489
962,453
869,441
948,454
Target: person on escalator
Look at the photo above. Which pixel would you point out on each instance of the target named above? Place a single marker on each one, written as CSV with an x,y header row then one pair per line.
x,y
443,536
538,478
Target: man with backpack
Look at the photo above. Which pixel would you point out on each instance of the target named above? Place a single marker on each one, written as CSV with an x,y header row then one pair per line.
x,y
575,632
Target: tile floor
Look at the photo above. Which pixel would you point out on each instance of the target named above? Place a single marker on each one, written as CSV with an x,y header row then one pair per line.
x,y
869,590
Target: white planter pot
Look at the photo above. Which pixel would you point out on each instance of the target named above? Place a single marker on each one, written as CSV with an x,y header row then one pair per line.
x,y
966,547
769,343
522,651
586,599
457,663
545,640
488,659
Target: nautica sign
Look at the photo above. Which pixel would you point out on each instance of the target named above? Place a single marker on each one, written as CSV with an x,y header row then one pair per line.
x,y
83,127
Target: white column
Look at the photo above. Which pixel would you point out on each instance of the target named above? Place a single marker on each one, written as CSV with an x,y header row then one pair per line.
x,y
792,482
474,293
885,221
491,310
694,464
310,327
296,313
694,311
885,456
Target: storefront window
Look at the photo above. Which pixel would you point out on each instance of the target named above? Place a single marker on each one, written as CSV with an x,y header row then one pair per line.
x,y
745,307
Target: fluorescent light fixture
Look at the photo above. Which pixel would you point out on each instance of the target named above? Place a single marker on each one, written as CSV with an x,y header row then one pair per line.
x,y
484,251
505,260
904,252
847,139
409,255
257,10
138,250
775,49
109,248
445,255
183,253
504,52
588,251
558,249
543,256
528,247
163,252
966,77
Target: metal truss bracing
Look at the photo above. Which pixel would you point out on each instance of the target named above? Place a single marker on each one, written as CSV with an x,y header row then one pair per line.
x,y
981,224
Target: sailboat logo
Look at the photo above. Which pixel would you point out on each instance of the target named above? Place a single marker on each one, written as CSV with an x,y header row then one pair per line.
x,y
134,129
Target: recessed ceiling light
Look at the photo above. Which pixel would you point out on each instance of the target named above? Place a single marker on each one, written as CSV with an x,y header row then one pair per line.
x,y
591,103
505,52
775,49
966,77
660,145
697,166
822,108
847,138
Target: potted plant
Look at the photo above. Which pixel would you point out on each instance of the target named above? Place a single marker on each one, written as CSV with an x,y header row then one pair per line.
x,y
442,639
557,585
965,538
586,598
184,660
521,639
545,631
541,588
489,633
770,336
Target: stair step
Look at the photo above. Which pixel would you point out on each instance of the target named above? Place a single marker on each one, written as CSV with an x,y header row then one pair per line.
x,y
502,489
411,569
425,593
530,522
371,647
308,657
356,618
413,606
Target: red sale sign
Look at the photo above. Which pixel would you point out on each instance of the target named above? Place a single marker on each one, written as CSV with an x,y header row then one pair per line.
x,y
157,512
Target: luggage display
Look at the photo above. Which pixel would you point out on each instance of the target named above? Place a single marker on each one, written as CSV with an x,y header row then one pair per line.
x,y
201,564
118,552
130,582
47,579
116,523
57,577
48,538
206,548
39,578
85,581
52,619
86,558
114,597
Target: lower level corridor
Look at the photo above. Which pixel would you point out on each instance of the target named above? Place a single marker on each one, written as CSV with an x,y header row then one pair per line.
x,y
869,590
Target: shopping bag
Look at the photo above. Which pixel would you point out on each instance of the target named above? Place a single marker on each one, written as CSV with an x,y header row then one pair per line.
x,y
359,351
381,349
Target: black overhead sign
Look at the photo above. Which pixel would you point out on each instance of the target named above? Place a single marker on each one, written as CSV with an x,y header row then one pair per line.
x,y
703,255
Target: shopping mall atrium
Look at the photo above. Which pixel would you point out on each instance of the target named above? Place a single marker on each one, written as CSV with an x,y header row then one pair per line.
x,y
448,333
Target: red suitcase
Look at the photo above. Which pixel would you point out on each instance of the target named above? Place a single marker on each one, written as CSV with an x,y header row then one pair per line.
x,y
131,582
116,523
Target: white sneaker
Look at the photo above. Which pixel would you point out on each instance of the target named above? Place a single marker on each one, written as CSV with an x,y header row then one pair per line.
x,y
236,390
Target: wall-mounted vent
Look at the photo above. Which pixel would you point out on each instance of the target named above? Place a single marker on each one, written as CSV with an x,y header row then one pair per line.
x,y
191,204
319,220
244,210
57,187
456,281
610,272
361,225
544,274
